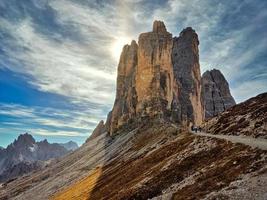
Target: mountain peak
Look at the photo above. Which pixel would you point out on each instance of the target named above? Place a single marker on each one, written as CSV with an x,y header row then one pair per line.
x,y
25,139
216,95
70,146
159,27
153,81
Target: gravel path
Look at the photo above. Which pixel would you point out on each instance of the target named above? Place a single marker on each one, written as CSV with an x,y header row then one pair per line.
x,y
253,142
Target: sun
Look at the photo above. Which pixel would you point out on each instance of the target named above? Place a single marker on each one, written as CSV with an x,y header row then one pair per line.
x,y
117,46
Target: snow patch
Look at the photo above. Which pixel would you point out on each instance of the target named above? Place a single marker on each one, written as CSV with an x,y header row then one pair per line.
x,y
20,157
33,148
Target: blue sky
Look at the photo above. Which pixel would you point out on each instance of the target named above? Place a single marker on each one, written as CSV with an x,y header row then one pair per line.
x,y
58,58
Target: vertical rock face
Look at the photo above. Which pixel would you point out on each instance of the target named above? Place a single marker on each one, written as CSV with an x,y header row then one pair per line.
x,y
159,77
125,102
154,74
216,94
185,59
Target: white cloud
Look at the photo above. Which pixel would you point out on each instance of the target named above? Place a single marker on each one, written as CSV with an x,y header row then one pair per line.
x,y
248,89
84,70
61,68
49,120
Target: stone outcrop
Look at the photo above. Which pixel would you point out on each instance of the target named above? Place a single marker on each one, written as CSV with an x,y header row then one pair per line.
x,y
154,74
100,129
125,102
216,94
158,78
185,59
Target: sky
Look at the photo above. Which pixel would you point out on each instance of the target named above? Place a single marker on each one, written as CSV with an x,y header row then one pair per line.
x,y
58,58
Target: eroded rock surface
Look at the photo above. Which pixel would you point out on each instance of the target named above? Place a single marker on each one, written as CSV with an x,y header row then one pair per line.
x,y
125,102
159,77
185,58
154,75
216,94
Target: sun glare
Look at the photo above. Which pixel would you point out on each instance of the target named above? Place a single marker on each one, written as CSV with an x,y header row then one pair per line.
x,y
117,46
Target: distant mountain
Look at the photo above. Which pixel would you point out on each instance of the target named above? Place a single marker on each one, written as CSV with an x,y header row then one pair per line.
x,y
70,146
25,155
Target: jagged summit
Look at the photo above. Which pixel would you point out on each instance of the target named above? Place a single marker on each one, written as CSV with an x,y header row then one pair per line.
x,y
25,138
22,155
158,78
216,95
154,78
159,27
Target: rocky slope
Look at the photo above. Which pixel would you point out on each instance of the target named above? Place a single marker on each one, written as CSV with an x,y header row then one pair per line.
x,y
216,96
99,129
25,155
248,118
156,160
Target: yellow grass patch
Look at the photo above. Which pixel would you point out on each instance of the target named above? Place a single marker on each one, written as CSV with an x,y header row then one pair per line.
x,y
80,190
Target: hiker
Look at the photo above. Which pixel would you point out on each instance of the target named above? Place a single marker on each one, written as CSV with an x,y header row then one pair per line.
x,y
192,128
195,129
200,129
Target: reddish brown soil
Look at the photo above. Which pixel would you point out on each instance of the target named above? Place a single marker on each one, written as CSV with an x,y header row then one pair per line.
x,y
248,118
144,177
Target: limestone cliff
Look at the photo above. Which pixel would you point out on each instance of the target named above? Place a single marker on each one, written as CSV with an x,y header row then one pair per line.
x,y
216,94
125,102
185,59
154,74
158,78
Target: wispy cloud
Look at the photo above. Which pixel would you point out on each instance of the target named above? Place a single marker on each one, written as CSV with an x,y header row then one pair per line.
x,y
85,69
66,47
41,121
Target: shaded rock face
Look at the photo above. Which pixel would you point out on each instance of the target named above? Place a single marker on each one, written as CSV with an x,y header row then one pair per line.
x,y
216,94
20,156
19,169
185,59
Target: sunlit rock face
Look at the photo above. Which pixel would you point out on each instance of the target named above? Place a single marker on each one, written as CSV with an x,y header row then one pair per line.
x,y
215,93
125,103
185,59
154,74
158,78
